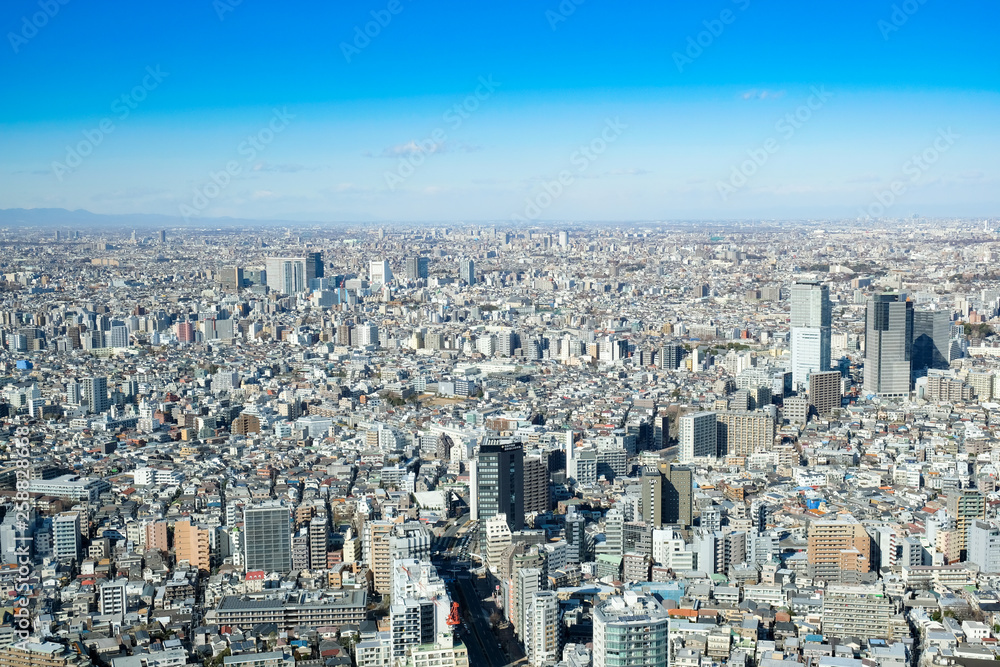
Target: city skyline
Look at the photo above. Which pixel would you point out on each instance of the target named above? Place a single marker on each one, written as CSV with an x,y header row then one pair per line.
x,y
767,120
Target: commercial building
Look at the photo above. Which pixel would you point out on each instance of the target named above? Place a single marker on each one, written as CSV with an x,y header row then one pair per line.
x,y
888,345
931,339
500,481
810,330
292,275
268,538
416,268
666,495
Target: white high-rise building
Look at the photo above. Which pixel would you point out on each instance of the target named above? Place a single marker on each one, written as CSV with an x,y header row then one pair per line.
x,y
95,394
66,535
540,633
698,437
379,272
420,605
630,630
289,275
810,330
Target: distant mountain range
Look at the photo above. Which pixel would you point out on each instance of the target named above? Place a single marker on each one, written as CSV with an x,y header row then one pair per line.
x,y
61,217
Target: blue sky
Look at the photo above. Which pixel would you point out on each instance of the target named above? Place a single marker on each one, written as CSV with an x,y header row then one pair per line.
x,y
366,128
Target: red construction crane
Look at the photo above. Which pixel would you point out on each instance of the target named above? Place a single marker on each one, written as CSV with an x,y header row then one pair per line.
x,y
453,617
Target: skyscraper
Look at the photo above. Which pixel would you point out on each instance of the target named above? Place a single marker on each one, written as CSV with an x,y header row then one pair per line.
x,y
810,325
666,495
291,275
379,272
670,356
536,485
888,345
698,437
500,481
95,394
931,342
467,271
268,537
416,268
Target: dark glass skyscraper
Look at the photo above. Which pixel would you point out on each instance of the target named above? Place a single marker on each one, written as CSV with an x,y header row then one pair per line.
x,y
500,481
930,339
888,345
268,538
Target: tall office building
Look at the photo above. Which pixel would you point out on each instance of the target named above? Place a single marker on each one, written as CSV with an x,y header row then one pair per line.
x,y
698,437
563,239
379,272
268,538
810,330
888,345
630,630
163,236
931,340
825,391
416,268
317,269
467,271
839,549
670,357
666,495
291,275
95,394
500,481
231,277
